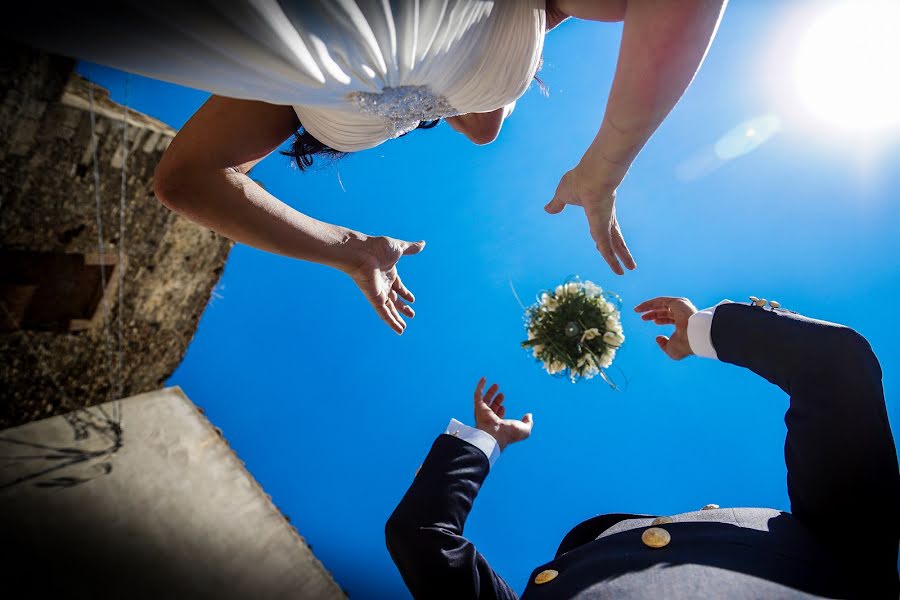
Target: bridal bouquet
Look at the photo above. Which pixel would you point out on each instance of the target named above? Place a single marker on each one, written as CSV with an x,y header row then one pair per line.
x,y
574,330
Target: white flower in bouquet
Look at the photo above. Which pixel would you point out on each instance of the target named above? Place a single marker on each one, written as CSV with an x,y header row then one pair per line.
x,y
613,323
549,302
592,288
606,359
555,367
574,329
613,338
590,334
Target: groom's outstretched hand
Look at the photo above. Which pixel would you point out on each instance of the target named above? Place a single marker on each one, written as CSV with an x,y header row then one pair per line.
x,y
670,311
489,413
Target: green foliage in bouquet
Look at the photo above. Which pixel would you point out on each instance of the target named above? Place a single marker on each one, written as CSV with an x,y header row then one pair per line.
x,y
574,329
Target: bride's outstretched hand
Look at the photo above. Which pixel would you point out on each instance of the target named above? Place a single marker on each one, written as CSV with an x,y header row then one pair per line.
x,y
599,206
377,278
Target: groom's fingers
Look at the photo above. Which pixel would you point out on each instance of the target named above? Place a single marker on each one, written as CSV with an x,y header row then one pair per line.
x,y
528,419
662,341
658,303
655,314
659,317
670,348
489,395
498,401
479,389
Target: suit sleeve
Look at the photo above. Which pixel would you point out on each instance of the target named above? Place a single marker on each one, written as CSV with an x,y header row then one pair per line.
x,y
839,450
424,535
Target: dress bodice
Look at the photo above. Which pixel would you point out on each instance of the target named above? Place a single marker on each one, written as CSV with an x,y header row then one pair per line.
x,y
394,64
357,72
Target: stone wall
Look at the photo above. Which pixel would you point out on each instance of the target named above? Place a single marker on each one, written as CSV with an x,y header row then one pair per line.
x,y
48,205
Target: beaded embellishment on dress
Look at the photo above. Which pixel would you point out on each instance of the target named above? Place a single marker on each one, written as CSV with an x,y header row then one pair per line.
x,y
404,106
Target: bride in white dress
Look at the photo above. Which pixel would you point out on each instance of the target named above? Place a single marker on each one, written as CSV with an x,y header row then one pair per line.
x,y
348,75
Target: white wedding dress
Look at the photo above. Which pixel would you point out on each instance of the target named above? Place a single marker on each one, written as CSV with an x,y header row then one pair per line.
x,y
357,72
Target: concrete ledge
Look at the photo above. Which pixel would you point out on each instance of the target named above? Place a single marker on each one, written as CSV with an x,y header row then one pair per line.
x,y
143,498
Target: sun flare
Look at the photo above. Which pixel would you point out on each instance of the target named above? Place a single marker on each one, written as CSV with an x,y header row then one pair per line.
x,y
847,68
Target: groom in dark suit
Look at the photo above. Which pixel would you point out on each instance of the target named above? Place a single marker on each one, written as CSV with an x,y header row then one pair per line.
x,y
839,540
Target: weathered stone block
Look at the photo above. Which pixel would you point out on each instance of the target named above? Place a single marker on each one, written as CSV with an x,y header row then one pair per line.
x,y
48,205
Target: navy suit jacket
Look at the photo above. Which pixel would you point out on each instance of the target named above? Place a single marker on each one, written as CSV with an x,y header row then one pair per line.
x,y
839,540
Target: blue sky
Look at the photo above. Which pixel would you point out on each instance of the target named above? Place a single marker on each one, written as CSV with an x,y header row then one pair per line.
x,y
333,412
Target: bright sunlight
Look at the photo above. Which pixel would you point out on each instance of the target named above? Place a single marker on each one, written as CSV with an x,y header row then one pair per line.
x,y
846,68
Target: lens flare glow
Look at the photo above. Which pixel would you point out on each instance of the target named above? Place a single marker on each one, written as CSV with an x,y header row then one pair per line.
x,y
847,69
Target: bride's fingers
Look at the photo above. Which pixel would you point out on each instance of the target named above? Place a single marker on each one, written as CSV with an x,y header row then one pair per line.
x,y
403,290
401,306
605,248
557,203
555,206
389,278
388,317
605,232
600,222
396,315
498,402
621,248
413,247
405,309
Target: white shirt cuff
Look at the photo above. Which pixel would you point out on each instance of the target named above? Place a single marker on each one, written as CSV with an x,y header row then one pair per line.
x,y
699,332
478,438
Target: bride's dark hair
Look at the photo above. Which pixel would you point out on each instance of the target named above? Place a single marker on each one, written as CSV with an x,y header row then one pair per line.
x,y
306,147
